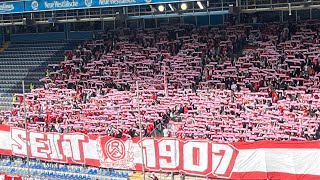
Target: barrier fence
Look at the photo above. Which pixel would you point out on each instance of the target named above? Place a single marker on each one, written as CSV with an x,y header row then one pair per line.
x,y
197,157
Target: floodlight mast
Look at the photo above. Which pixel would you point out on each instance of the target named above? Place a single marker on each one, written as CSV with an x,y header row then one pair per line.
x,y
140,129
26,128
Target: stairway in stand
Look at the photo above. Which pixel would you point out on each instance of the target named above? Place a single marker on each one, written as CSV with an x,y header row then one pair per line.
x,y
27,61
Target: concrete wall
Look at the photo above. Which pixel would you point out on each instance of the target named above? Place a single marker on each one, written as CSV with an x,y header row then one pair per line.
x,y
1,39
38,36
216,19
52,36
81,35
204,20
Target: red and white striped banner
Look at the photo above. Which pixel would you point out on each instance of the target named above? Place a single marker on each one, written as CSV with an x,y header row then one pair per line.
x,y
10,177
258,160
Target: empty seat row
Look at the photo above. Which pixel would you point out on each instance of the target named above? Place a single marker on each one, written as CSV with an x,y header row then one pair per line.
x,y
33,52
26,62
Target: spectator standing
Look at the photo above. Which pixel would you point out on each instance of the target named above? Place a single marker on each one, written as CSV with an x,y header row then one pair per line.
x,y
31,86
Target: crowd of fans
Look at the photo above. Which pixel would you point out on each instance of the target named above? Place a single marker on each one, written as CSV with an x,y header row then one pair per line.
x,y
192,84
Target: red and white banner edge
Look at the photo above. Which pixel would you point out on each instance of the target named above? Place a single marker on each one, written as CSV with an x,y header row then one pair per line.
x,y
254,160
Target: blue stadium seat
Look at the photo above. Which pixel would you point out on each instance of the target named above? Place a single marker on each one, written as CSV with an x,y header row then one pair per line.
x,y
92,171
124,174
35,173
13,170
77,170
23,165
108,173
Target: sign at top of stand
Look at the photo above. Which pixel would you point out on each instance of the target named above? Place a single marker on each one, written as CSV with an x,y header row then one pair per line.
x,y
11,7
49,5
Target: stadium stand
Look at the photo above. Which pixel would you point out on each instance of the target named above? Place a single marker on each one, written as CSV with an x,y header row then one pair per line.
x,y
223,89
192,84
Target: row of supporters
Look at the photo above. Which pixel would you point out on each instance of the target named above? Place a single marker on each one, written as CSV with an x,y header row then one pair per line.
x,y
43,5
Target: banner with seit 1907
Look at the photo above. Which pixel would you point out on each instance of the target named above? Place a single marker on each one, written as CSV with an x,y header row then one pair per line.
x,y
198,157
